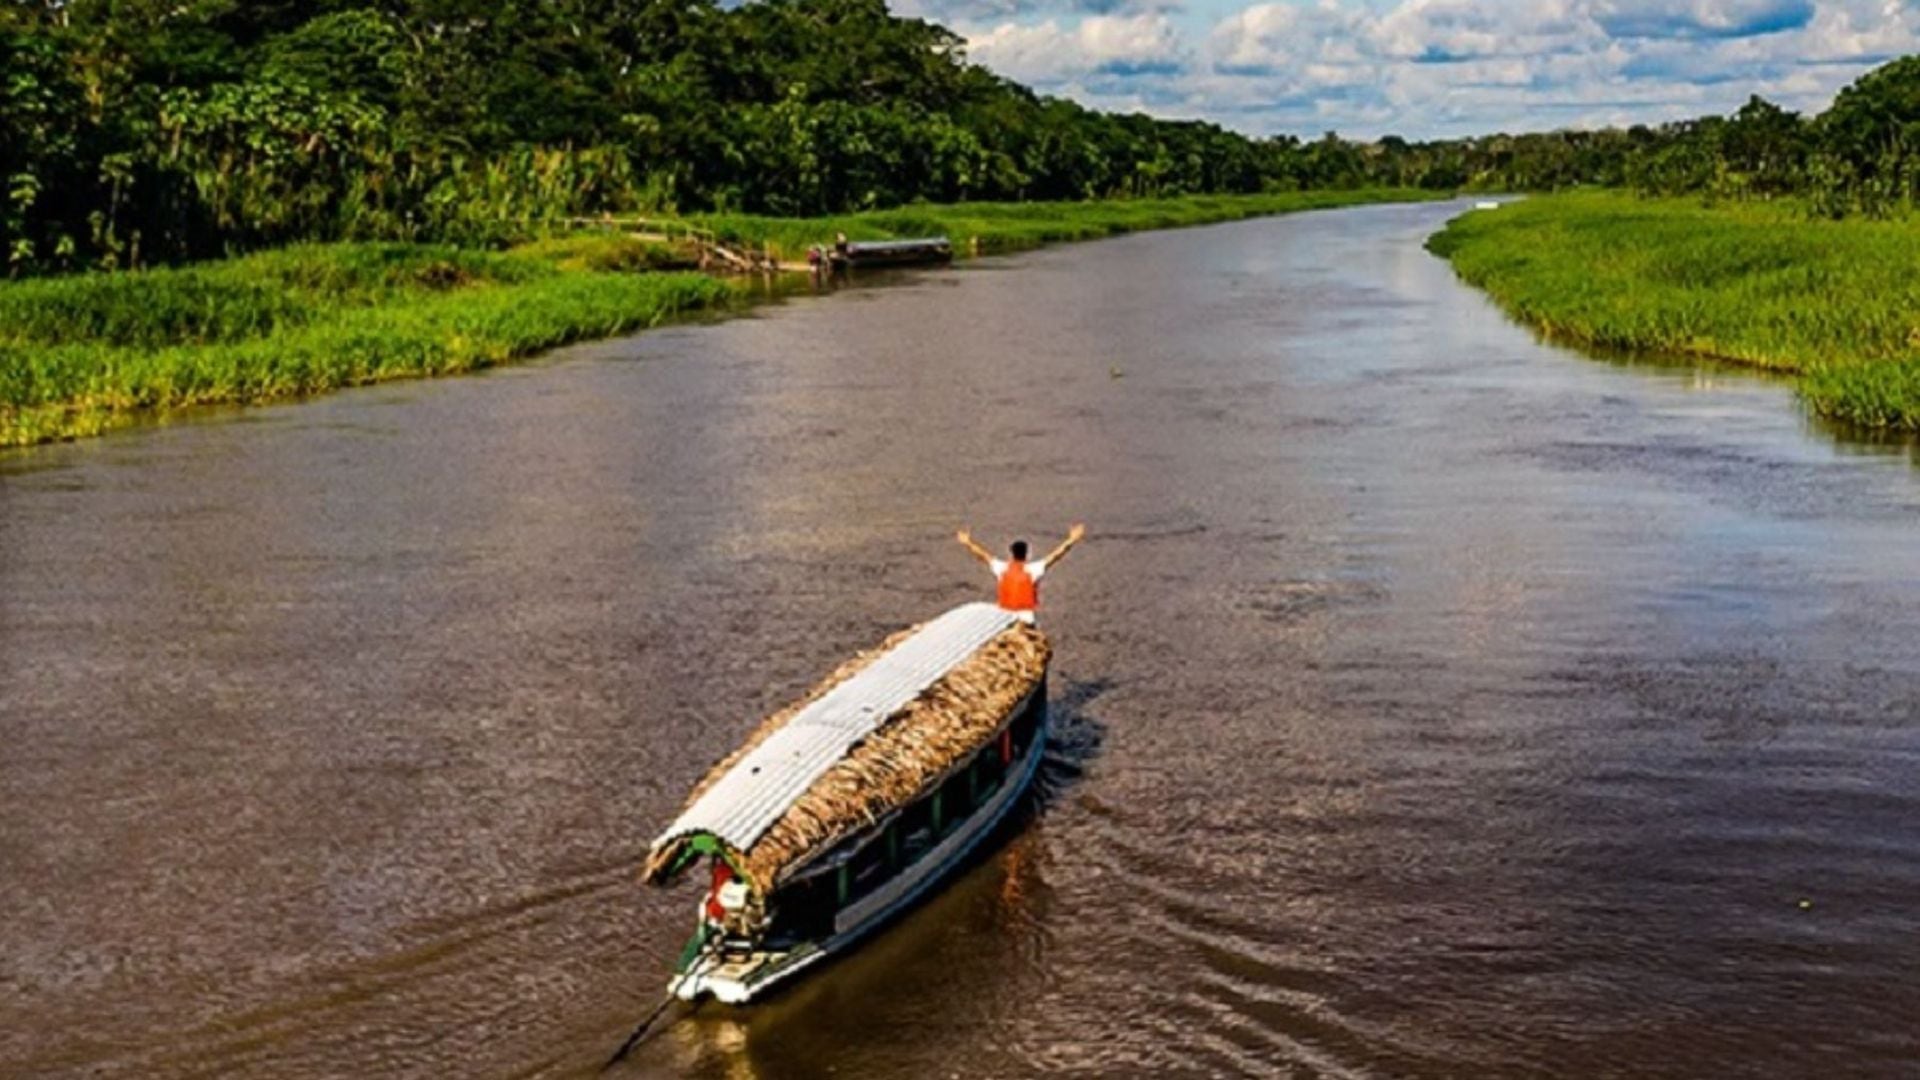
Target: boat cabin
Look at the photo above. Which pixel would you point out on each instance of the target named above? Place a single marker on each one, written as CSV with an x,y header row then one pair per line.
x,y
832,893
846,808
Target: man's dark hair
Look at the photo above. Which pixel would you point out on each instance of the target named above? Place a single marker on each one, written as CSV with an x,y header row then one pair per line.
x,y
1020,550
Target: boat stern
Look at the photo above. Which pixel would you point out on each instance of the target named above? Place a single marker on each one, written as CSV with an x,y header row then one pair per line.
x,y
736,978
716,978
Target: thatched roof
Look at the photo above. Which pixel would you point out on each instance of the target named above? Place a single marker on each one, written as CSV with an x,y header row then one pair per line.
x,y
903,757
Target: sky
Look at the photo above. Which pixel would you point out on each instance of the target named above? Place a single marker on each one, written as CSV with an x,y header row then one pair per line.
x,y
1430,68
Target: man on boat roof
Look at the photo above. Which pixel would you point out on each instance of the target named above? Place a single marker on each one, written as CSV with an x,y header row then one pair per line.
x,y
1018,576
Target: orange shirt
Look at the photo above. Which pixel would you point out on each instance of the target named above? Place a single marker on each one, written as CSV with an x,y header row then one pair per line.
x,y
1018,590
1019,583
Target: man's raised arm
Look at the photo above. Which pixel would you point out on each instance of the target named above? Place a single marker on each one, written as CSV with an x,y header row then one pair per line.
x,y
1074,536
978,552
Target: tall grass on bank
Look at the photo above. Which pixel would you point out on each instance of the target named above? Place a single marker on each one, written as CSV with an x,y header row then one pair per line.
x,y
81,354
1002,227
1836,301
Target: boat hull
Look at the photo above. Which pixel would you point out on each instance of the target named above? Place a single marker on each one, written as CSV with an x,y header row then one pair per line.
x,y
739,980
932,251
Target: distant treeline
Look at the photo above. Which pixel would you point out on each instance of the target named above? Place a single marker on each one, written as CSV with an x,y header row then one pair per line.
x,y
142,131
155,130
1861,155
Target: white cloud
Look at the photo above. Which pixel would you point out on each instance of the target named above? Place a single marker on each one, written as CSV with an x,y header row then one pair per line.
x,y
1271,38
1873,28
1450,67
1437,30
1047,54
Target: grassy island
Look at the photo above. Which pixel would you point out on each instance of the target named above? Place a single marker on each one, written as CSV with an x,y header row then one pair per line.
x,y
1758,283
80,354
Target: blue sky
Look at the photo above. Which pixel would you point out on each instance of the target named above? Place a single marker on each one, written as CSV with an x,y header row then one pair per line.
x,y
1431,68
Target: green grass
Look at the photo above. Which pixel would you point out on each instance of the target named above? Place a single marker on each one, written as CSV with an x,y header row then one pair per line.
x,y
82,354
1837,302
79,355
1002,227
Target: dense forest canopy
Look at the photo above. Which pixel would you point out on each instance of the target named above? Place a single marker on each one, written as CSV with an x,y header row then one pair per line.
x,y
151,130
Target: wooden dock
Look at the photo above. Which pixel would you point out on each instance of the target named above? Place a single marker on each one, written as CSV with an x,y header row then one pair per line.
x,y
715,254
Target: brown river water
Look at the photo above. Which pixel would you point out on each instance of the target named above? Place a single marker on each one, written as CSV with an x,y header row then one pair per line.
x,y
1431,702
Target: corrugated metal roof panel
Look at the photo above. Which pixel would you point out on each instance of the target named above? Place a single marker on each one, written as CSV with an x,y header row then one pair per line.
x,y
760,787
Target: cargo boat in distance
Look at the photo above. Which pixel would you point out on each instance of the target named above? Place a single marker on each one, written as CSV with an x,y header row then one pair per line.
x,y
849,806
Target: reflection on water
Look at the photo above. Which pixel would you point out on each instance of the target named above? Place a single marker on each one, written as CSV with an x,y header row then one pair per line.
x,y
1431,702
1710,376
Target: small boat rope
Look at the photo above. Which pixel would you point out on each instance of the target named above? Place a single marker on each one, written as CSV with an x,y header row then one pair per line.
x,y
673,991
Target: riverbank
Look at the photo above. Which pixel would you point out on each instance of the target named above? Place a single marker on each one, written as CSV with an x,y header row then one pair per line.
x,y
80,355
1004,227
1759,284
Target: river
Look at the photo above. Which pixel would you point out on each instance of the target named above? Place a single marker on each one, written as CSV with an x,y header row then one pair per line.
x,y
1432,702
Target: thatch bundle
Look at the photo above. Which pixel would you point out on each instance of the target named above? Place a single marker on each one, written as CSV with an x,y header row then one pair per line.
x,y
902,758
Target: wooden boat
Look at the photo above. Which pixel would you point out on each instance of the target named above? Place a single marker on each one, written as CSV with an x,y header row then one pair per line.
x,y
866,254
846,808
